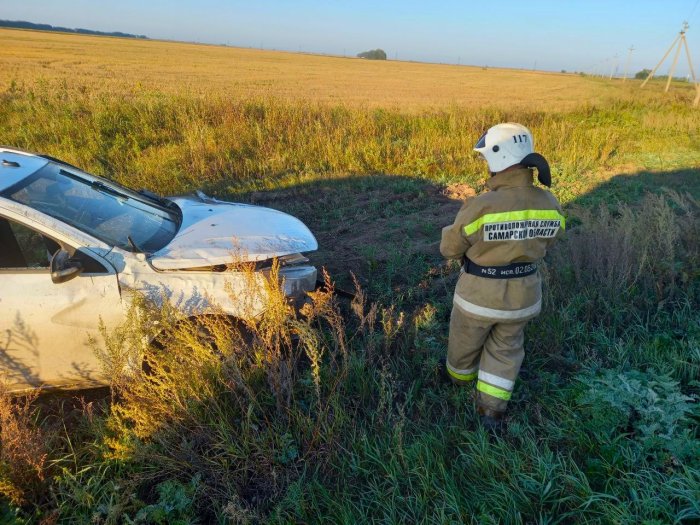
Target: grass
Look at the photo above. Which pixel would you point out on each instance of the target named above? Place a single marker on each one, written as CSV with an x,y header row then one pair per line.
x,y
174,143
341,414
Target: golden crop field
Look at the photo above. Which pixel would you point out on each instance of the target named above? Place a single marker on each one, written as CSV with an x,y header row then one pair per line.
x,y
119,65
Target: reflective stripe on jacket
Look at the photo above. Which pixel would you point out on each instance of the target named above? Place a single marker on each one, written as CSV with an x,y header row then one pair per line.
x,y
514,222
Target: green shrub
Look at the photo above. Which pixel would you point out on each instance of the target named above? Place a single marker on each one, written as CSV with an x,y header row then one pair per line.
x,y
175,505
646,409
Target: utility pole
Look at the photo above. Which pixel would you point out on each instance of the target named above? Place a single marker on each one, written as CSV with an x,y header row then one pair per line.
x,y
627,64
675,61
680,41
613,67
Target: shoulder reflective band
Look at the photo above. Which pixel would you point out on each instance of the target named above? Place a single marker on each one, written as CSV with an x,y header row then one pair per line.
x,y
493,391
522,215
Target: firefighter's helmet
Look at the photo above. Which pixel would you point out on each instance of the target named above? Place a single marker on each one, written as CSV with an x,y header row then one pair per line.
x,y
505,145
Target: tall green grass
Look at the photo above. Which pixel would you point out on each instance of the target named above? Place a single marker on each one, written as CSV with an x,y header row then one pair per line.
x,y
174,144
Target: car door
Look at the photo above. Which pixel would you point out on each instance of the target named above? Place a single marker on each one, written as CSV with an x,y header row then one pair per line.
x,y
45,327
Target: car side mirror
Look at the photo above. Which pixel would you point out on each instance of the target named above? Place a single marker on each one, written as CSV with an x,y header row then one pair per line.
x,y
63,268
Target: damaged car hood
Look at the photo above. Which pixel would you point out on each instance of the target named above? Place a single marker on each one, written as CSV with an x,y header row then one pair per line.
x,y
217,232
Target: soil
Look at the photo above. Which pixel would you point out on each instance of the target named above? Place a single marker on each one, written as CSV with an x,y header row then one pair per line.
x,y
362,223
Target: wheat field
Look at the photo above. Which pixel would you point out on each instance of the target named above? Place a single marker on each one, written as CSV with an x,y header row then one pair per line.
x,y
116,65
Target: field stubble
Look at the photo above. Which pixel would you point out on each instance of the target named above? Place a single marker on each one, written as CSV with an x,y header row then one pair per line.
x,y
123,66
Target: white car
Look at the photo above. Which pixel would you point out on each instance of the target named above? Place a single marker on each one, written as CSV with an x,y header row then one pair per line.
x,y
73,244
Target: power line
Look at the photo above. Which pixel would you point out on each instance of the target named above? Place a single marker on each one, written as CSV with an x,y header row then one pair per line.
x,y
693,10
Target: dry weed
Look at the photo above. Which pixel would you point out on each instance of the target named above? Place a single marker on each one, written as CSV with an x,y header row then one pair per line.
x,y
614,254
217,394
24,448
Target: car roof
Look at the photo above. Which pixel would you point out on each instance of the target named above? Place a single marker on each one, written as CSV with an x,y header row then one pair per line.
x,y
16,165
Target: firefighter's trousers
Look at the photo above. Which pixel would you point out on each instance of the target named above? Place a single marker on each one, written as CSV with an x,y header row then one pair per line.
x,y
489,352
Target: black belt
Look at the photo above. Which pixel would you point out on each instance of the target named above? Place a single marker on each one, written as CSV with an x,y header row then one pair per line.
x,y
500,272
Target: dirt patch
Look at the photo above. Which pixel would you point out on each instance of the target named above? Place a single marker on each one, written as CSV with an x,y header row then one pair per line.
x,y
459,191
372,226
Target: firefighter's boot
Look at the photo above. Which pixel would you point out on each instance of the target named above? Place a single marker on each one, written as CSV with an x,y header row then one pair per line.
x,y
491,420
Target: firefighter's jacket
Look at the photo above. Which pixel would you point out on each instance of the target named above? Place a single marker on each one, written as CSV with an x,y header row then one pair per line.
x,y
514,222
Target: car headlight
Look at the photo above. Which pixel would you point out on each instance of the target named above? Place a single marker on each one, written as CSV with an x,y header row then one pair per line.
x,y
297,276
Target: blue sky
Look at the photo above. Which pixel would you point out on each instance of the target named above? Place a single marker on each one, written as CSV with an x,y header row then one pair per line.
x,y
547,34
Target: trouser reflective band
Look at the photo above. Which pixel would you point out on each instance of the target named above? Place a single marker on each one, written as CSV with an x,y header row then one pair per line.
x,y
493,390
462,375
498,315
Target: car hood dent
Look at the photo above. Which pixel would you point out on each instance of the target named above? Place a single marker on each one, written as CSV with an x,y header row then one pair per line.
x,y
215,232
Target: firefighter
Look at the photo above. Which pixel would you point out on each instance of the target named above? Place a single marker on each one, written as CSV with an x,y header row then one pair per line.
x,y
499,236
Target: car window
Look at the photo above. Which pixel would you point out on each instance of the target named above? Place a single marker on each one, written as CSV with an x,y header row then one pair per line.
x,y
112,214
23,247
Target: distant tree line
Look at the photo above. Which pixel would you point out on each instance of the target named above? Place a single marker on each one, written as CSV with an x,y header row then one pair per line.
x,y
644,73
373,54
21,24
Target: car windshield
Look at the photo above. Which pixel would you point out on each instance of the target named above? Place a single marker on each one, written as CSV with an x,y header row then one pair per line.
x,y
109,212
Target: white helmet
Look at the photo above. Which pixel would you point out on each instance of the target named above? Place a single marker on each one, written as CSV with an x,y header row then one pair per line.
x,y
504,145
